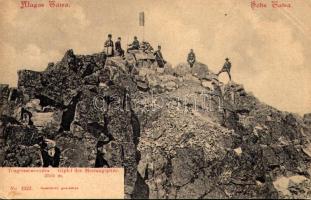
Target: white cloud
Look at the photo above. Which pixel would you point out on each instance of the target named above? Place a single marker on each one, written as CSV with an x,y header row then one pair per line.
x,y
32,57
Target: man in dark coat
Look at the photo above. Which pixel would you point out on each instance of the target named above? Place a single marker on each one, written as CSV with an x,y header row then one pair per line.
x,y
118,47
134,46
226,68
109,46
100,153
50,153
26,116
159,58
191,58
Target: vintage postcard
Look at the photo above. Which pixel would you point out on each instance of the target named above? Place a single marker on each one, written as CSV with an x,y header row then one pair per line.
x,y
155,99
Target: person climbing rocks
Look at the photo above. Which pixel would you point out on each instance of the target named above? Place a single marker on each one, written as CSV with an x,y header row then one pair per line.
x,y
109,46
191,58
118,47
159,58
50,153
134,46
226,68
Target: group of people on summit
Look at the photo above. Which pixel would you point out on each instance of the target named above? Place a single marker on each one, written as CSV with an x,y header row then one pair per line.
x,y
112,50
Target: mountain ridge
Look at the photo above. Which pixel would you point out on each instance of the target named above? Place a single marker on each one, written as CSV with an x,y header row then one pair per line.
x,y
179,132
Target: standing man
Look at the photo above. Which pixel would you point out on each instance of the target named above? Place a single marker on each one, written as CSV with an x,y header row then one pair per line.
x,y
159,58
134,45
118,47
109,46
226,68
191,58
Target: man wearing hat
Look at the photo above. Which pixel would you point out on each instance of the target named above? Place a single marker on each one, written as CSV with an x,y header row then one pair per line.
x,y
134,45
119,49
226,68
109,46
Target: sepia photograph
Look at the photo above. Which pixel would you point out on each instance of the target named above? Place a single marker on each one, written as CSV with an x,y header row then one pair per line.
x,y
155,99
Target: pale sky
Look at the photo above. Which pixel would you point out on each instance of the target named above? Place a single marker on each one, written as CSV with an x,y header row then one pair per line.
x,y
269,48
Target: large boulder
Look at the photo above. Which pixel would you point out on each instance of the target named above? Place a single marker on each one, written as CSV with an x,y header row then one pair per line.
x,y
200,70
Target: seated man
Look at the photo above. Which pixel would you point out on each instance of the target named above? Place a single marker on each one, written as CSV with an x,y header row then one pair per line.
x,y
146,47
134,45
118,47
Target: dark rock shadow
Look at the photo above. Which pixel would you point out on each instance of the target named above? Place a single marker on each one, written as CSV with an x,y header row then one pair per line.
x,y
141,189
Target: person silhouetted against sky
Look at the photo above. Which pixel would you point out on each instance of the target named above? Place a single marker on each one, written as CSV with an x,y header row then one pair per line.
x,y
109,46
118,47
159,58
226,68
191,58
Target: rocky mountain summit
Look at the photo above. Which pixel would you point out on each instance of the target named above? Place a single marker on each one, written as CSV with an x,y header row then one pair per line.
x,y
178,131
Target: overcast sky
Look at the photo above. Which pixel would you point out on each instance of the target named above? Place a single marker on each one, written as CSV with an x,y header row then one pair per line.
x,y
269,48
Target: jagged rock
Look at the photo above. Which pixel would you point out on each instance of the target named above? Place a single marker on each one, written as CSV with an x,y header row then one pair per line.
x,y
207,84
287,186
92,79
62,81
178,132
185,164
171,85
29,82
307,150
160,70
191,78
4,91
76,152
238,151
168,69
200,70
48,120
307,118
142,85
108,115
11,102
33,105
182,69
